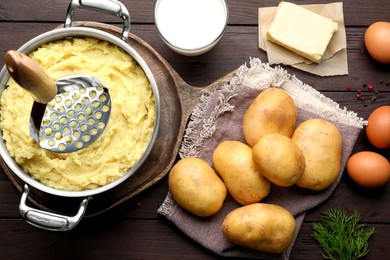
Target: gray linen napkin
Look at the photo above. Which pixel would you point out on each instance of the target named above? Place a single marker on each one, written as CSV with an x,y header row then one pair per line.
x,y
218,117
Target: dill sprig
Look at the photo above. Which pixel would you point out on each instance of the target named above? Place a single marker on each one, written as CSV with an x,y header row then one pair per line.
x,y
340,236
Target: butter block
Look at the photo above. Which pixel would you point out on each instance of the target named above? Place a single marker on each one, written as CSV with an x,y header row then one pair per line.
x,y
301,31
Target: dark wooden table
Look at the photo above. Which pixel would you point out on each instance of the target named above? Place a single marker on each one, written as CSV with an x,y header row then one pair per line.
x,y
133,230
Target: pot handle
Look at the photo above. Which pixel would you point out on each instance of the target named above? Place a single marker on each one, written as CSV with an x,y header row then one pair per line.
x,y
47,220
107,6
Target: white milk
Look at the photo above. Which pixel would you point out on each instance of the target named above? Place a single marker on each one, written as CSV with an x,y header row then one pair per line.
x,y
191,27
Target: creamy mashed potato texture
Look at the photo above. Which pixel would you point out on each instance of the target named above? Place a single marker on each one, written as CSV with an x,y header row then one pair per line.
x,y
127,133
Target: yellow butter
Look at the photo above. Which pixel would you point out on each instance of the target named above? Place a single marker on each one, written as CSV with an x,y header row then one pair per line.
x,y
301,31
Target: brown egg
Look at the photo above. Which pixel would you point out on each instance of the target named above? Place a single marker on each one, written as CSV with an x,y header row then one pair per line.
x,y
377,41
369,169
378,127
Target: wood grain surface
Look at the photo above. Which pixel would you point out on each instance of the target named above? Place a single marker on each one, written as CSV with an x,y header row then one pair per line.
x,y
132,229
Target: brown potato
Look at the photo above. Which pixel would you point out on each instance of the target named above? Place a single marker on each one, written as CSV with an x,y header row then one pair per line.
x,y
196,187
272,111
264,227
233,162
321,144
279,159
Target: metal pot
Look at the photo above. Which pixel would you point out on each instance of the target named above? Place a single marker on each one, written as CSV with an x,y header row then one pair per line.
x,y
47,220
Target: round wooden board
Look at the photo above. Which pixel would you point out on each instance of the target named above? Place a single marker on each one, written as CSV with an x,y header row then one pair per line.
x,y
177,102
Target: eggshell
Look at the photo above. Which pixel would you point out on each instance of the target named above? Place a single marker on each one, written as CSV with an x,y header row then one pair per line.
x,y
377,41
378,127
369,169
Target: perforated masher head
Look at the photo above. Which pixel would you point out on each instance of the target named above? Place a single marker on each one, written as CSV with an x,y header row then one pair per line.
x,y
76,116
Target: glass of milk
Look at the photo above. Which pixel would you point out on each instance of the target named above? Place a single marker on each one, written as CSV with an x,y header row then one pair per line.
x,y
191,27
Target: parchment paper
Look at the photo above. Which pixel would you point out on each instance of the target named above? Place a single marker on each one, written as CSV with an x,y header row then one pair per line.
x,y
334,61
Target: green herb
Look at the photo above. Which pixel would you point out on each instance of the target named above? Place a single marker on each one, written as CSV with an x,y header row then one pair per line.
x,y
340,236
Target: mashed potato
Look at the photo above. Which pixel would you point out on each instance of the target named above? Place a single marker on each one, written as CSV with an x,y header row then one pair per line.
x,y
125,138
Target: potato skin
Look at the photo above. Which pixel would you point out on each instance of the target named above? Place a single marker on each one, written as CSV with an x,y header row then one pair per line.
x,y
321,144
196,187
279,159
264,227
233,162
272,111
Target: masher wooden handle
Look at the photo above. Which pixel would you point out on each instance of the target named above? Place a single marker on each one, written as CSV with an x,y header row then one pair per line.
x,y
30,76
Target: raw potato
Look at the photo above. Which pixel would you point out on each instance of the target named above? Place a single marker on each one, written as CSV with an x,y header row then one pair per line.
x,y
272,111
196,187
264,227
279,159
321,144
233,162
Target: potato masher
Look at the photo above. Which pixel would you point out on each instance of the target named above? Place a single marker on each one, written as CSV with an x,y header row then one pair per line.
x,y
67,114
